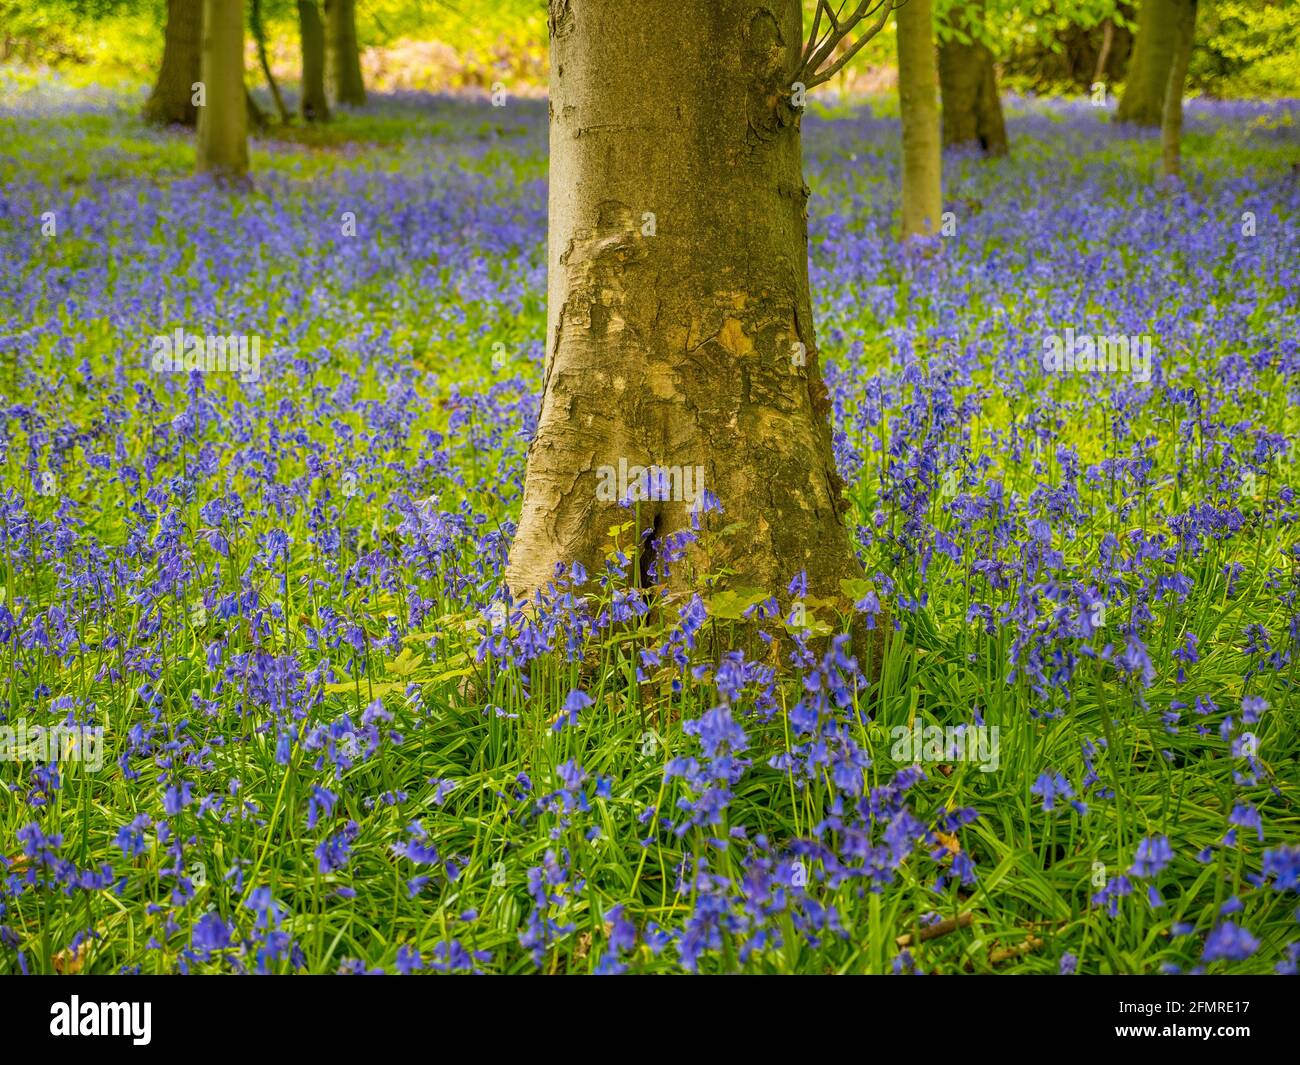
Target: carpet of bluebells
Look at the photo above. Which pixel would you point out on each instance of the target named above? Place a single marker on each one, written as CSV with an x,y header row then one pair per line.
x,y
332,744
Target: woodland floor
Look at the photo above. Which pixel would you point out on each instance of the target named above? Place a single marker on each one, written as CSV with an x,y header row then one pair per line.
x,y
324,749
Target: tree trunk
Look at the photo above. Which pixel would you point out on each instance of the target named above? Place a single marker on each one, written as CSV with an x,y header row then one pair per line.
x,y
172,99
1103,54
918,99
968,82
257,120
223,123
1153,55
259,36
679,323
1171,126
343,57
314,106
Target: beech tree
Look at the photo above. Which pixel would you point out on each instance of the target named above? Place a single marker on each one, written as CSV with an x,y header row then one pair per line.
x,y
918,101
1143,100
223,120
343,58
172,98
679,320
311,31
968,82
1171,126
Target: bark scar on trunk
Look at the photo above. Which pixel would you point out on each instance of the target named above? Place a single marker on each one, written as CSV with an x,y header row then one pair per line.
x,y
559,18
594,261
769,106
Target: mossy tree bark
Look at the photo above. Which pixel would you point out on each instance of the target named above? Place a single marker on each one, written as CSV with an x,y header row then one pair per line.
x,y
918,98
223,122
1171,125
968,82
314,105
1153,54
172,99
343,57
679,323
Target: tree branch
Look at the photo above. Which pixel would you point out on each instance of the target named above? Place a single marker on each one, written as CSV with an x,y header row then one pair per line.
x,y
819,49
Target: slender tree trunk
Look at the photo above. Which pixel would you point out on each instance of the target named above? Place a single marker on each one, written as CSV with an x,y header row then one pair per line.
x,y
257,119
172,99
679,322
314,105
1171,126
992,127
223,122
1153,55
918,99
259,36
342,55
968,82
1103,56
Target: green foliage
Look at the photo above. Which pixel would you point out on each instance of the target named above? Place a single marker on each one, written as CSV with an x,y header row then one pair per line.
x,y
1247,48
1244,47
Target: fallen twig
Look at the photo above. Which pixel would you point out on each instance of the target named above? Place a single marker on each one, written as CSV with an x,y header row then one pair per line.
x,y
942,928
996,957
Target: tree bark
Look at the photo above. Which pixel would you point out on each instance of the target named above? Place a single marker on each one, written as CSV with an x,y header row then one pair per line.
x,y
172,99
968,82
342,55
918,99
679,322
1153,55
223,122
314,105
1171,126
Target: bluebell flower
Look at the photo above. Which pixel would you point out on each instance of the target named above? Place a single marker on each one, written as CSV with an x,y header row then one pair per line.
x,y
1229,942
1153,855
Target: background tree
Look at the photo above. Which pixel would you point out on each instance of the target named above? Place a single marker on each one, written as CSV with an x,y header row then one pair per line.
x,y
1171,126
313,104
679,323
968,83
1153,54
223,121
343,58
1104,51
1070,46
172,99
918,101
259,36
257,119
